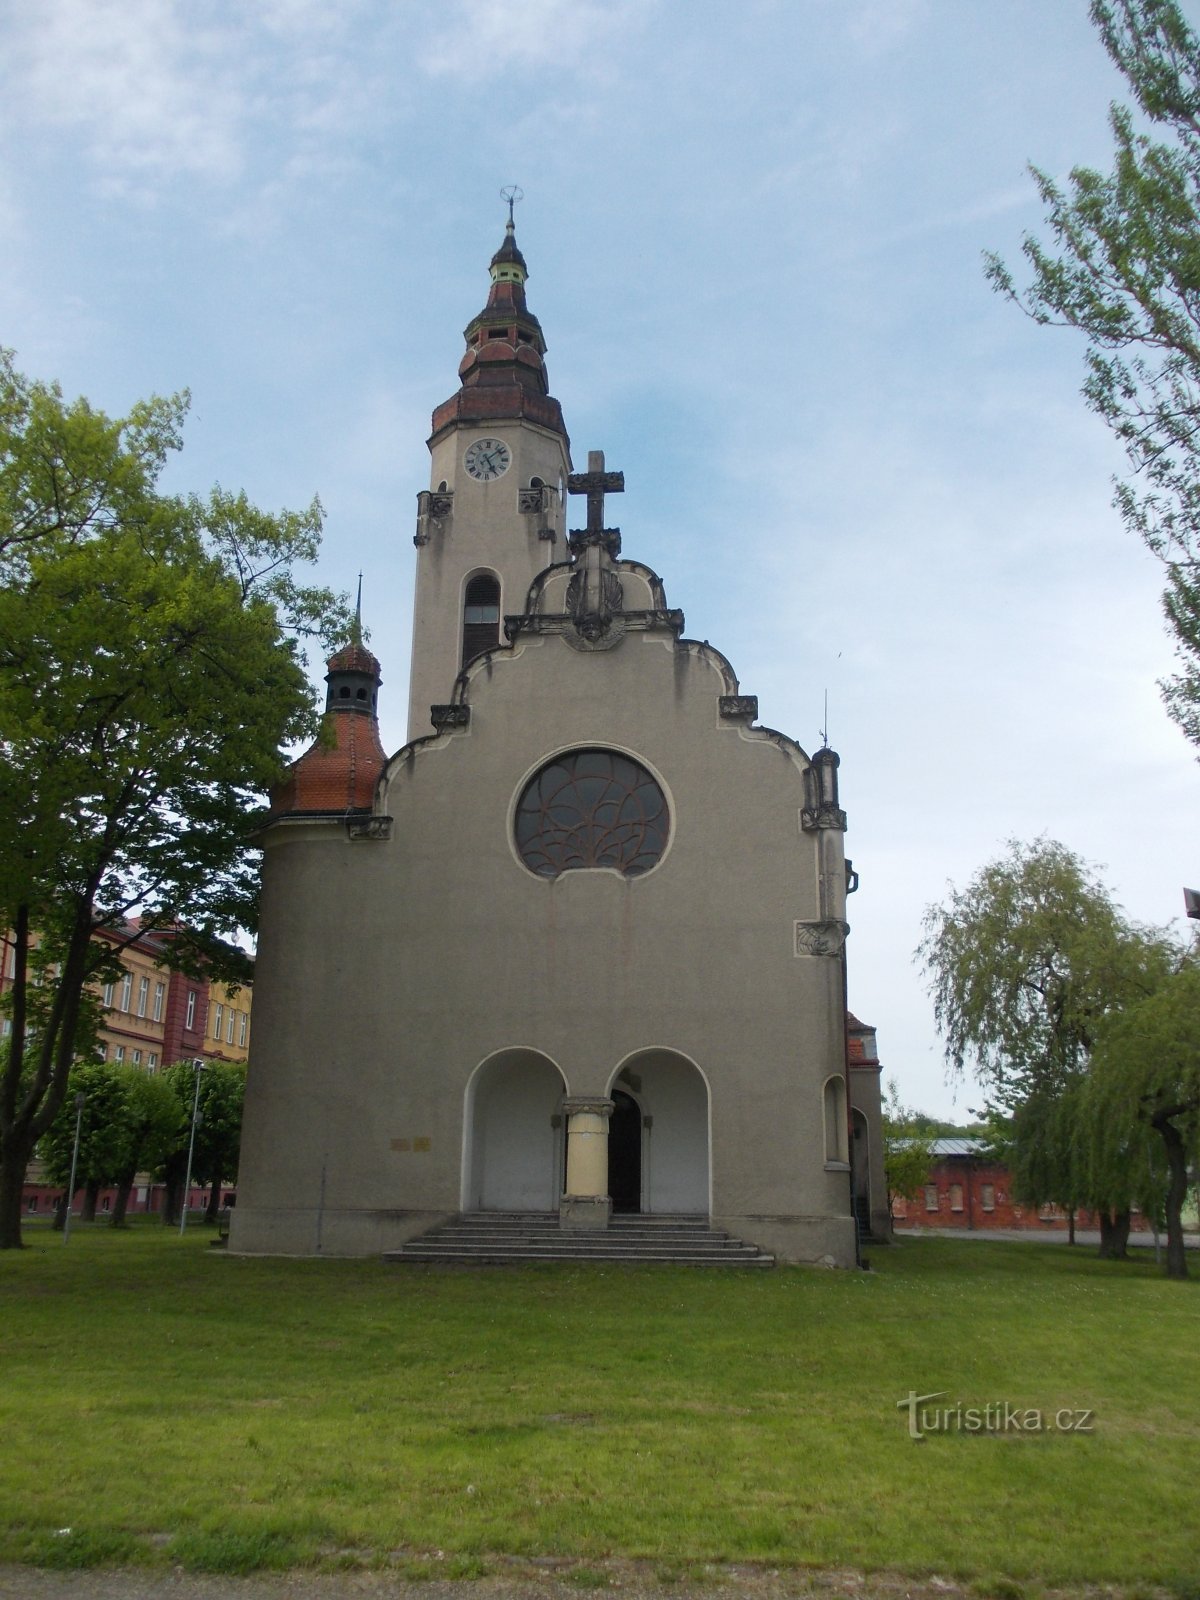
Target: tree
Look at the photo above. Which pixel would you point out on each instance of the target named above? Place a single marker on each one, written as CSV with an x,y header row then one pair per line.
x,y
101,1133
150,671
1124,269
218,1131
907,1148
1025,965
1146,1073
151,1130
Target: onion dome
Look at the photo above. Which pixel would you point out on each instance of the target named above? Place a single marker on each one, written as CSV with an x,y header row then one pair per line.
x,y
503,372
339,772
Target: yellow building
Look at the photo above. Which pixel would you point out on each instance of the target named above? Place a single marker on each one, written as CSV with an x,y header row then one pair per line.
x,y
227,1033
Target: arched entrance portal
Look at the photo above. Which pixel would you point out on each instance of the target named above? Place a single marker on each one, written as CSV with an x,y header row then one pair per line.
x,y
625,1153
513,1149
658,1135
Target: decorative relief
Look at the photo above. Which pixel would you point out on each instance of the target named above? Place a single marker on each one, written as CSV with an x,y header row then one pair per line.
x,y
820,938
739,707
434,507
537,502
608,539
822,817
449,716
369,827
595,633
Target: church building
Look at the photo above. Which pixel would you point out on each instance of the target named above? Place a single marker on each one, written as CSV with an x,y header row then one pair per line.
x,y
576,952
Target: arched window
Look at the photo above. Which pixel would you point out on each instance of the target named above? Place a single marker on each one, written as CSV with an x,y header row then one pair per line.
x,y
481,617
591,808
836,1141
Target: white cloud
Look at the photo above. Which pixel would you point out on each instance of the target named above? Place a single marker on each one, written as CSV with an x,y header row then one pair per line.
x,y
150,94
480,38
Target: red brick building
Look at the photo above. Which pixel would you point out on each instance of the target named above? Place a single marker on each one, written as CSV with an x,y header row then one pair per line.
x,y
965,1189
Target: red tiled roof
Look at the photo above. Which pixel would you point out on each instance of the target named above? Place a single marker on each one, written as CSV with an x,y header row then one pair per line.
x,y
337,776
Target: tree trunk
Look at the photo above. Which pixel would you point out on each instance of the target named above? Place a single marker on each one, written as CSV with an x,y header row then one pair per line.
x,y
172,1190
91,1193
1071,1226
213,1209
60,1212
1176,1194
121,1203
12,1181
1114,1235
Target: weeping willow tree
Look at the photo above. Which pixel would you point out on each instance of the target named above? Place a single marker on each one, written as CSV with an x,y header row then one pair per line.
x,y
1026,967
1141,1104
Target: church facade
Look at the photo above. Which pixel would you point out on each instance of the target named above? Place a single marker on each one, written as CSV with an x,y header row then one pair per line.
x,y
579,946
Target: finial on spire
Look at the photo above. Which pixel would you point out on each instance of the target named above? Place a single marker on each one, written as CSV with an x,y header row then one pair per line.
x,y
512,193
356,632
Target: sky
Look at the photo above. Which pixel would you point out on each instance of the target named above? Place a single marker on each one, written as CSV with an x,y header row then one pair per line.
x,y
754,230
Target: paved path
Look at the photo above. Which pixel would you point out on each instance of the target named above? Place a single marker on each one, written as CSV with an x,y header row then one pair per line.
x,y
531,1581
1083,1236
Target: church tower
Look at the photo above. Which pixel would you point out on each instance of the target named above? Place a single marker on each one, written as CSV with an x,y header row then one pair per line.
x,y
575,954
494,514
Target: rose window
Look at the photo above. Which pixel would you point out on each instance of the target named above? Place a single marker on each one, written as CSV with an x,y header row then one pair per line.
x,y
591,808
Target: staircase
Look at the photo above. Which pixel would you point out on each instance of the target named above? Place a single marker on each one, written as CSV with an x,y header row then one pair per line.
x,y
497,1238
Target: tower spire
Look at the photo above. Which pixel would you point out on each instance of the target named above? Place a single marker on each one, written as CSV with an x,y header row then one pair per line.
x,y
503,373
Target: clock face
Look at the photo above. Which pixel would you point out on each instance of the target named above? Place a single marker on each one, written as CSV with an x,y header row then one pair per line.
x,y
487,459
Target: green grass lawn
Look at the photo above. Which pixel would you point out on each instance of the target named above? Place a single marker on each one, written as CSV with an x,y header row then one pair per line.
x,y
166,1401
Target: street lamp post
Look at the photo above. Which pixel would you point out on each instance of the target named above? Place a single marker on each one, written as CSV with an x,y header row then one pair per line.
x,y
79,1103
198,1067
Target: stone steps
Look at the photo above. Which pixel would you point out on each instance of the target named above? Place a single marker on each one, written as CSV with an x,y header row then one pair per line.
x,y
495,1238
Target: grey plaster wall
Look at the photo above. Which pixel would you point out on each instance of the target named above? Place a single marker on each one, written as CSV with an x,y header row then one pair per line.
x,y
390,969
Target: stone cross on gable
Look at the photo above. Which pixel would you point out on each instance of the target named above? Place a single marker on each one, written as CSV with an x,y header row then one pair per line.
x,y
596,483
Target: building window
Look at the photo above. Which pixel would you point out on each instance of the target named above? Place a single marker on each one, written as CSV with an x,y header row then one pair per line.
x,y
160,990
143,996
243,1023
189,1020
119,1053
931,1198
987,1196
481,617
229,1026
152,1061
835,1119
218,1013
109,989
956,1197
32,1203
137,1058
591,808
126,991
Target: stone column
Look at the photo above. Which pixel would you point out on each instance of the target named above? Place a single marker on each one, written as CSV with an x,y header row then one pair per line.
x,y
586,1203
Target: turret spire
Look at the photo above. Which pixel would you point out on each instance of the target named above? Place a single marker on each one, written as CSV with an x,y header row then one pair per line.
x,y
503,372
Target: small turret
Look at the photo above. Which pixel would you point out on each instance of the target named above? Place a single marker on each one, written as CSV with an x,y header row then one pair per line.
x,y
338,773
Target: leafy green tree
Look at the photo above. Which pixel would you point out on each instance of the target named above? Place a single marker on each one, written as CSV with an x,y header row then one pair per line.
x,y
150,671
152,1120
1123,267
102,1134
1025,965
1146,1076
907,1147
222,1090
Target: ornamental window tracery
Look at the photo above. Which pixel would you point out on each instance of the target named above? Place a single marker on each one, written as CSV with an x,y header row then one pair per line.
x,y
591,808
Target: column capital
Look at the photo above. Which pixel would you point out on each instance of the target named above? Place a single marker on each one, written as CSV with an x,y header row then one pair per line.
x,y
596,1105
